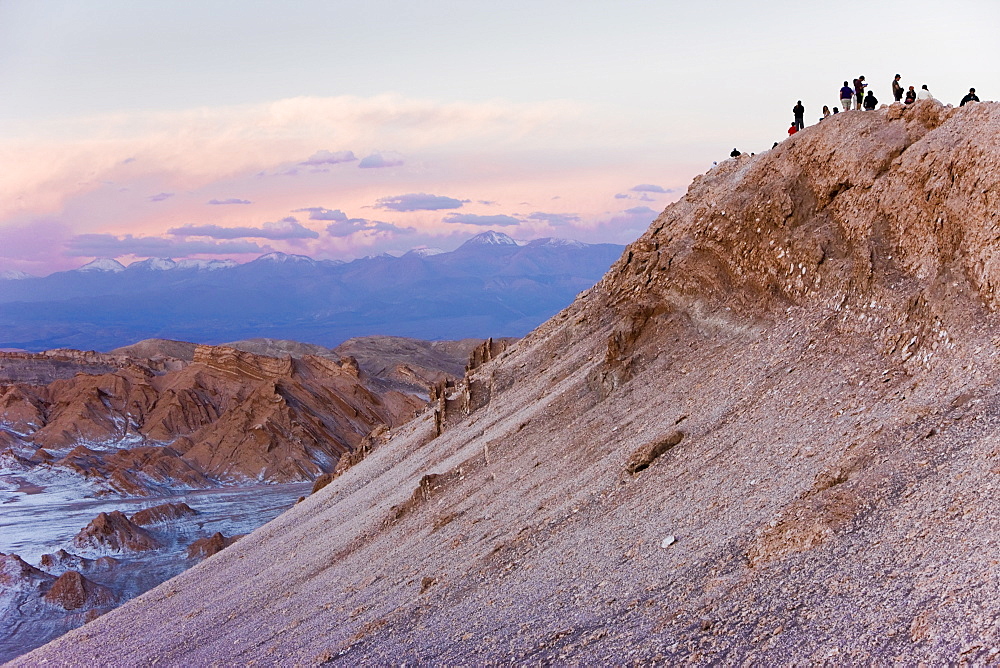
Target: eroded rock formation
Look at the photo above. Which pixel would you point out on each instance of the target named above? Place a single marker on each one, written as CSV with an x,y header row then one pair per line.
x,y
72,591
227,416
61,561
165,512
114,532
18,575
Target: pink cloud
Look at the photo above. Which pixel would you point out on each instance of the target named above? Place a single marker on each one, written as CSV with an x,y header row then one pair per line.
x,y
419,202
380,160
329,158
285,229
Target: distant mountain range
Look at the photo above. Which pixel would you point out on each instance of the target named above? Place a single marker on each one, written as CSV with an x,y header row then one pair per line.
x,y
489,286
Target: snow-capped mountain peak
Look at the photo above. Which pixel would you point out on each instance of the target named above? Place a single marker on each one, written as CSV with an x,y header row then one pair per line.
x,y
154,264
491,238
278,257
103,264
554,242
425,252
206,265
14,275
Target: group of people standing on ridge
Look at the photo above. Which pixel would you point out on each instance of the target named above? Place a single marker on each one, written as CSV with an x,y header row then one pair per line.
x,y
854,94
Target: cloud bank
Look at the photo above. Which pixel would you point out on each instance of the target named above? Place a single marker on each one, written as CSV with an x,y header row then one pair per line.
x,y
346,228
321,213
220,202
419,202
380,160
287,228
329,158
109,245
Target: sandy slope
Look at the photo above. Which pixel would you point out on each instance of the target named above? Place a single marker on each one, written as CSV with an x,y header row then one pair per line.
x,y
818,324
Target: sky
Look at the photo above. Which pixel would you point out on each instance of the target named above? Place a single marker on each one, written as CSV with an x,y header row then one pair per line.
x,y
344,128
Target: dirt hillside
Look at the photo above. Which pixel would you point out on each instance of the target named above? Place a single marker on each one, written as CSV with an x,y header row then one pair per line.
x,y
770,435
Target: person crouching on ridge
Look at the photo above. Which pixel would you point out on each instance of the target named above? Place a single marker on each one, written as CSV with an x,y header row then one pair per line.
x,y
971,97
792,130
870,101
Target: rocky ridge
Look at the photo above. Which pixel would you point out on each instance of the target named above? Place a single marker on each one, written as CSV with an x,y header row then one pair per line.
x,y
768,435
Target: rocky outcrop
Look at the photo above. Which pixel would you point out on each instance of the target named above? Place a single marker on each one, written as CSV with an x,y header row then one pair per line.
x,y
378,437
242,365
16,575
61,561
206,547
453,399
650,452
113,532
486,351
410,365
165,512
72,591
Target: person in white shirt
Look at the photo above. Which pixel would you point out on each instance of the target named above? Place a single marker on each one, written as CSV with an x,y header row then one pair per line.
x,y
924,94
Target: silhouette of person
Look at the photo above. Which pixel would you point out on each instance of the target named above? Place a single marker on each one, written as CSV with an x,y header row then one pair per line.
x,y
897,89
836,110
911,96
846,95
859,90
799,112
870,101
971,97
734,153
